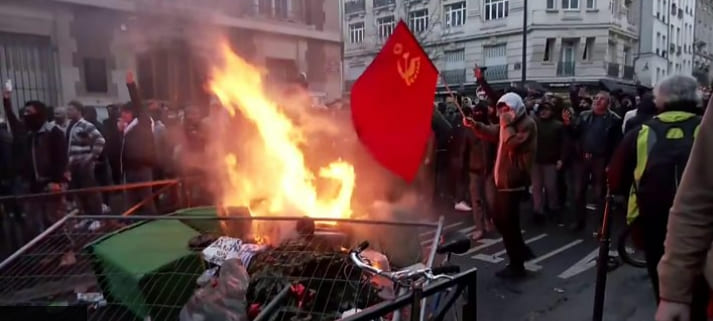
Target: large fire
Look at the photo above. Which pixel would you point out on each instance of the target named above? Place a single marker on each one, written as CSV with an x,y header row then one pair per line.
x,y
274,178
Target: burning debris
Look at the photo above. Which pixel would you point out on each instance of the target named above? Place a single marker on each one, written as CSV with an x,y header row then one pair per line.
x,y
304,278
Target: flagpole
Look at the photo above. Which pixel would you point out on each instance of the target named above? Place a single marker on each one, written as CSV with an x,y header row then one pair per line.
x,y
452,95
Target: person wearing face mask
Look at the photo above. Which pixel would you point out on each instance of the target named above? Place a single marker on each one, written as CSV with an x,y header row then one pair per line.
x,y
480,165
516,136
45,159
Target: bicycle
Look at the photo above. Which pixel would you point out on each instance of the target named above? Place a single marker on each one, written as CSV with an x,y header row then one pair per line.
x,y
414,280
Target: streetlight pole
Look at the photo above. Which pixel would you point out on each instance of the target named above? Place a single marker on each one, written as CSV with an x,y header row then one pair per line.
x,y
524,43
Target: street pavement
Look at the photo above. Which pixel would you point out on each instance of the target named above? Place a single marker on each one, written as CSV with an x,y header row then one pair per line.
x,y
561,280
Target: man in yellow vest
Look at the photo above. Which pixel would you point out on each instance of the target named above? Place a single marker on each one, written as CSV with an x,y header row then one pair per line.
x,y
649,163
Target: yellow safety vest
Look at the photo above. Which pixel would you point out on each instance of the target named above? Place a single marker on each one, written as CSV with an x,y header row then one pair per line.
x,y
645,141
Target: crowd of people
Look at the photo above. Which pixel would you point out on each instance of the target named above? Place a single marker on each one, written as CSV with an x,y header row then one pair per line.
x,y
566,154
47,151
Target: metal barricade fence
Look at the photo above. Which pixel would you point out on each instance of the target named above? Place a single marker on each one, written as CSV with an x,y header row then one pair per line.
x,y
149,266
24,216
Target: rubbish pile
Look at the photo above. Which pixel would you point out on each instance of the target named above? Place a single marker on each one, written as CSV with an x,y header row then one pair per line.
x,y
296,280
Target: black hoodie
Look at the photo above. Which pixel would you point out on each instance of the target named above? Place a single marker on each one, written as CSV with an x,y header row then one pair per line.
x,y
645,111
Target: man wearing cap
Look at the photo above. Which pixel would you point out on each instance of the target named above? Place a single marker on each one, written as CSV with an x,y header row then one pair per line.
x,y
516,136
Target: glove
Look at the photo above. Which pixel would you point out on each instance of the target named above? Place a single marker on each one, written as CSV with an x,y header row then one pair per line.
x,y
673,311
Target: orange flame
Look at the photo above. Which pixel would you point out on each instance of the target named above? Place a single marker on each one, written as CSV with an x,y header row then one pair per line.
x,y
276,172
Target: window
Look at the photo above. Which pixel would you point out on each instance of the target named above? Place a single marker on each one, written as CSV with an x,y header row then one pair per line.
x,y
281,9
612,52
551,4
569,48
496,9
95,76
454,59
570,4
588,48
455,14
549,45
418,20
356,32
386,26
627,57
591,4
495,58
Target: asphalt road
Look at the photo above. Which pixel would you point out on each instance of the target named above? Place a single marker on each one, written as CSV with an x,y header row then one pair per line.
x,y
561,280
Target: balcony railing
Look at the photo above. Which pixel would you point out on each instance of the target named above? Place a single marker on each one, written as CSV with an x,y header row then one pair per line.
x,y
497,72
354,6
613,70
565,68
383,3
454,77
629,72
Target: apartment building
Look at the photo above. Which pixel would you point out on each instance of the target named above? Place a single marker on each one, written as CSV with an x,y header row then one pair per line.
x,y
703,42
58,50
666,39
567,40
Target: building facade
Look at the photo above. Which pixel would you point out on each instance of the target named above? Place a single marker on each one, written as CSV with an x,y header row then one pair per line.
x,y
567,40
703,43
666,38
60,50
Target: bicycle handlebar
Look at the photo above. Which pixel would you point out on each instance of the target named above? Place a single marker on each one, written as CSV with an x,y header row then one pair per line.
x,y
404,275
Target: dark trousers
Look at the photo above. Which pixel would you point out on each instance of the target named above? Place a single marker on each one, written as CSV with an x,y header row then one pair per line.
x,y
458,181
507,221
136,195
83,176
592,170
653,230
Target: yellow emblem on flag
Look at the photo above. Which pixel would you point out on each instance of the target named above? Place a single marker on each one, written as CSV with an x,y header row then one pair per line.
x,y
408,68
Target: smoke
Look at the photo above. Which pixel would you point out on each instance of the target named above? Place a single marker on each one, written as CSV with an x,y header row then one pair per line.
x,y
227,148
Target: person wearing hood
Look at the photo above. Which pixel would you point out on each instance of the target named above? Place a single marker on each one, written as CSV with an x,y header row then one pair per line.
x,y
138,158
480,167
645,111
548,161
516,136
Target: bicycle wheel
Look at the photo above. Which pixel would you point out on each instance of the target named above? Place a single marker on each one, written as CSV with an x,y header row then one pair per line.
x,y
628,251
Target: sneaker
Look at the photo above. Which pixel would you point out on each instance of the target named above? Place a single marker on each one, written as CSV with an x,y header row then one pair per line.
x,y
463,207
511,272
96,225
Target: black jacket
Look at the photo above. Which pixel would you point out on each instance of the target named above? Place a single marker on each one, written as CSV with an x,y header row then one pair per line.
x,y
137,145
41,155
582,124
550,141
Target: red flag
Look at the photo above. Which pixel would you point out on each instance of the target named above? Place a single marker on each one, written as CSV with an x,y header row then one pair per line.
x,y
392,104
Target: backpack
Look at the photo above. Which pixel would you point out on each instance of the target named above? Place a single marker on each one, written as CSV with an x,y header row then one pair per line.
x,y
669,145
